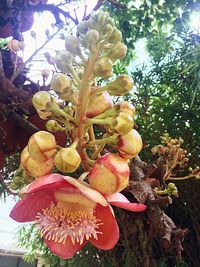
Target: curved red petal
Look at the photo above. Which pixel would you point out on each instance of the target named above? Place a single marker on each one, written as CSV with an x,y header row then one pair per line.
x,y
27,208
136,207
109,229
52,181
65,251
119,200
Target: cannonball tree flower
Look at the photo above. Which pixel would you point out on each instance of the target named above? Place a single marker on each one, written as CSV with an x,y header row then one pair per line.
x,y
69,214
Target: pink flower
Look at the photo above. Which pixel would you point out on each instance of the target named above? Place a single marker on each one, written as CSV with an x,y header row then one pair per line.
x,y
69,213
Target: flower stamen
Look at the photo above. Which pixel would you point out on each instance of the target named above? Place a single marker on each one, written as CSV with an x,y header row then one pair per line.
x,y
58,223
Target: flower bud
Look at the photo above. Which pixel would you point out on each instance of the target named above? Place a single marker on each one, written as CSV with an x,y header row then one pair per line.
x,y
116,36
42,146
44,115
110,174
60,83
103,67
125,106
121,85
82,27
130,144
92,37
33,167
102,17
123,123
72,45
67,159
15,45
41,100
98,104
118,51
53,126
63,61
107,31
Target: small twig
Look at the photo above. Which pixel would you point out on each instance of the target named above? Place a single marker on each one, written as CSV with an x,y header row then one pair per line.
x,y
31,57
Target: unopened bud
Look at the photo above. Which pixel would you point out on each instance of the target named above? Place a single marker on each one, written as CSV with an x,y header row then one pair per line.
x,y
121,85
116,36
98,104
72,45
15,45
42,146
125,106
103,67
110,174
53,126
118,51
41,100
123,123
82,27
33,167
92,37
63,61
67,159
60,83
130,144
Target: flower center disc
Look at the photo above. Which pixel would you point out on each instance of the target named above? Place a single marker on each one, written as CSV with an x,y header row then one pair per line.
x,y
57,223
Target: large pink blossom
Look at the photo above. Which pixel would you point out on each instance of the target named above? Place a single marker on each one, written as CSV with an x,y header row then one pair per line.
x,y
69,214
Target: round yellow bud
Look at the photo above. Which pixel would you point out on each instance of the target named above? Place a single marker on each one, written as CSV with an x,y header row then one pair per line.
x,y
33,167
118,51
60,83
41,100
103,67
121,85
42,146
123,123
67,159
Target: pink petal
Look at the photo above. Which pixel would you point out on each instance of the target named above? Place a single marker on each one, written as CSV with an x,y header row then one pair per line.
x,y
117,197
121,201
136,207
66,251
27,208
90,193
109,229
52,181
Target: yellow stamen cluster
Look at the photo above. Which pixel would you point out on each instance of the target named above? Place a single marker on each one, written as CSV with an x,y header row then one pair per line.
x,y
58,224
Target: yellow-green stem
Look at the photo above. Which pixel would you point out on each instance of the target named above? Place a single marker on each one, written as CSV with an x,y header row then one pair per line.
x,y
83,98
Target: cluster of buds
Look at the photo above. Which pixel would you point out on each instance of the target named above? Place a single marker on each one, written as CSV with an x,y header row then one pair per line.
x,y
170,153
85,111
172,158
170,190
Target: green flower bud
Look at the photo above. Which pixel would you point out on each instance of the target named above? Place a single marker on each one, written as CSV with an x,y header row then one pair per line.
x,y
103,67
107,31
122,85
116,36
72,45
118,51
60,83
41,100
123,123
102,18
53,126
